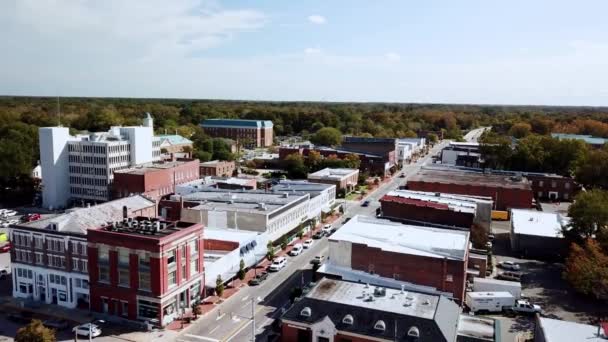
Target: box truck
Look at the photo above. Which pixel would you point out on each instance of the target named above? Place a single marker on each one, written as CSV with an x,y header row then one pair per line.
x,y
495,285
498,302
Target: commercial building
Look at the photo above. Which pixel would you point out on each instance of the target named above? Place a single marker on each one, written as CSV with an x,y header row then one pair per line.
x,y
175,144
322,196
224,250
275,214
81,168
403,252
345,180
437,208
211,182
466,154
588,139
408,149
385,147
538,234
50,256
506,191
146,269
219,168
344,311
555,330
248,133
552,187
155,180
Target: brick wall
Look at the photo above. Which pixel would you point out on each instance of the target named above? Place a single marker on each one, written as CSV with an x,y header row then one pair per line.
x,y
424,213
220,245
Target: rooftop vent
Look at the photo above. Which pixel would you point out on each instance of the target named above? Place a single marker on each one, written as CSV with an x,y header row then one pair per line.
x,y
380,325
426,302
413,332
262,206
348,319
285,195
369,298
306,312
379,292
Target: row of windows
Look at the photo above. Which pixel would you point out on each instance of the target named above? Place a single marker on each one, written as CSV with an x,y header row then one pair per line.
x,y
88,170
120,148
23,255
119,159
88,181
74,190
553,184
24,273
87,159
21,239
87,148
286,220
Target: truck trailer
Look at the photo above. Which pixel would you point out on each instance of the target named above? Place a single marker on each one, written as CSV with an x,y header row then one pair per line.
x,y
495,285
499,302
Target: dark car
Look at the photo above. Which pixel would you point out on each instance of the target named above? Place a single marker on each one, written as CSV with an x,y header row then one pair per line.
x,y
57,324
365,204
346,220
258,279
402,175
318,235
31,217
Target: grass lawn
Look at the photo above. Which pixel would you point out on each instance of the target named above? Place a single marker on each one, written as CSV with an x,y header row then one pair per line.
x,y
354,196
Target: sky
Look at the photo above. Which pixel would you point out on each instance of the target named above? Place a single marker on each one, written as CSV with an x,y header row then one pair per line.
x,y
542,52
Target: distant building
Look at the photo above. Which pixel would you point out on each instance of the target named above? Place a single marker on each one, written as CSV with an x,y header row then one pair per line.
x,y
81,168
249,133
409,149
552,187
209,182
155,180
444,209
345,180
37,172
466,154
322,196
589,139
538,234
176,145
50,258
402,252
384,147
506,191
555,330
220,168
143,269
336,310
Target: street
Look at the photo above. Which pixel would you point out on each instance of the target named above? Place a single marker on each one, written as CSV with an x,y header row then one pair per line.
x,y
474,135
231,321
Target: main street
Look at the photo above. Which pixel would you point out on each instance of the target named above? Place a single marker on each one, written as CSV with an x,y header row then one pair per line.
x,y
231,320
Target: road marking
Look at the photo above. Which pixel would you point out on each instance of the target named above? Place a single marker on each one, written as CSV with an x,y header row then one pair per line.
x,y
214,329
245,305
220,317
236,333
203,338
245,298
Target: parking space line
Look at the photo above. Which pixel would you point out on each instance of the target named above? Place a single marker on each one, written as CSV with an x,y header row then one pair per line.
x,y
203,338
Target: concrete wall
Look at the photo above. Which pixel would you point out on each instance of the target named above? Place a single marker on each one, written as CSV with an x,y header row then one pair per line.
x,y
141,143
54,163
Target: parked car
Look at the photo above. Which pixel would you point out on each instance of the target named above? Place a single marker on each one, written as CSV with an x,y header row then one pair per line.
x,y
402,175
8,213
277,264
258,279
318,260
296,250
57,324
3,274
307,244
86,329
31,217
318,235
326,229
509,275
22,318
5,247
509,265
365,204
346,220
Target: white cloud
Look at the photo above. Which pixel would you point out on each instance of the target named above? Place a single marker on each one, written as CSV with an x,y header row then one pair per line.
x,y
392,56
317,19
312,51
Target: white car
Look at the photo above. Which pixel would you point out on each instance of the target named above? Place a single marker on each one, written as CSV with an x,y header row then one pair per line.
x,y
296,250
8,213
326,229
85,329
307,244
509,265
277,264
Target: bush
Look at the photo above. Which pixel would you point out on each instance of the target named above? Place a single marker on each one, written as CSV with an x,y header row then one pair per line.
x,y
219,286
284,243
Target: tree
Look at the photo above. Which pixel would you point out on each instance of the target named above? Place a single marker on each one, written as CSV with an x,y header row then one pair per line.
x,y
588,216
591,169
284,243
587,269
327,136
35,332
270,251
241,273
295,167
520,130
219,286
313,161
432,138
410,134
196,310
479,236
352,161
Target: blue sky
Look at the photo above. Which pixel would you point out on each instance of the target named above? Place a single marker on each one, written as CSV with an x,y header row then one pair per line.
x,y
515,52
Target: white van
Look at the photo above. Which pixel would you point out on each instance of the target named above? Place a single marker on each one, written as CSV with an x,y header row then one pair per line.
x,y
296,250
277,264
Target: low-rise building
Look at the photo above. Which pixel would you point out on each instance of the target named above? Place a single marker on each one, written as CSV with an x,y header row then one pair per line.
x,y
408,149
219,168
248,133
212,182
437,208
462,154
155,180
175,144
506,191
146,269
385,147
596,142
538,234
322,196
555,330
336,310
403,252
50,256
345,180
552,187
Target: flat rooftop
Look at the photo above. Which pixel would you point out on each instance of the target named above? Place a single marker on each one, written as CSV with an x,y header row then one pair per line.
x,y
356,294
214,162
146,227
153,167
333,174
403,238
465,177
430,199
481,328
533,222
556,330
300,186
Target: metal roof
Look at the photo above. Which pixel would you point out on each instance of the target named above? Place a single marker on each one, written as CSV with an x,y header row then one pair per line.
x,y
174,139
555,330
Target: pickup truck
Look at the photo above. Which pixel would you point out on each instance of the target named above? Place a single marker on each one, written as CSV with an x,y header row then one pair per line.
x,y
525,307
499,302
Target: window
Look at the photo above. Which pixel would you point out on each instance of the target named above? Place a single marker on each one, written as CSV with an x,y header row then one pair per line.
x,y
123,257
104,274
541,183
38,241
123,277
348,319
380,325
125,308
449,278
184,274
103,255
193,266
144,281
567,185
172,280
171,258
553,184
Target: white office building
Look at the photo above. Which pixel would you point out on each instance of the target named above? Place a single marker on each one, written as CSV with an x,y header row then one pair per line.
x,y
408,148
81,168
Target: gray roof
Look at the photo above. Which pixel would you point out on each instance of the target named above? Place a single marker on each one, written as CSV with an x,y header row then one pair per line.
x,y
435,317
301,186
78,220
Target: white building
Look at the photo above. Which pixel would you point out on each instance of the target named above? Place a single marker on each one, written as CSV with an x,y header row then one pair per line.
x,y
538,234
450,153
322,196
555,330
82,167
49,258
407,148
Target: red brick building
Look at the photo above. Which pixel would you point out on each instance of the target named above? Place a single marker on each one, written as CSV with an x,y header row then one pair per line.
x,y
219,168
506,191
144,269
552,187
155,180
431,257
249,133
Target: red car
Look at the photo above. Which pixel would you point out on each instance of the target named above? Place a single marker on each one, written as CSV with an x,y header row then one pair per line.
x,y
31,217
5,247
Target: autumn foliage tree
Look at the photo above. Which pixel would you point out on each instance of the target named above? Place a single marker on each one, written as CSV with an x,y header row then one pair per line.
x,y
587,269
35,332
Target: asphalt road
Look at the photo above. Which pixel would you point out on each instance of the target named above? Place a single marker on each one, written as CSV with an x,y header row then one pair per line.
x,y
231,321
473,135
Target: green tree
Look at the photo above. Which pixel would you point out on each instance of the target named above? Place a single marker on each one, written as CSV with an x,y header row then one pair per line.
x,y
520,130
219,286
410,134
196,310
241,273
589,216
432,138
314,160
327,136
284,243
35,332
295,167
587,269
591,169
352,161
269,251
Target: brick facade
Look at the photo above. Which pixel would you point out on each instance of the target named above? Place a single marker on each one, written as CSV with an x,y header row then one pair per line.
x,y
423,211
553,187
217,168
